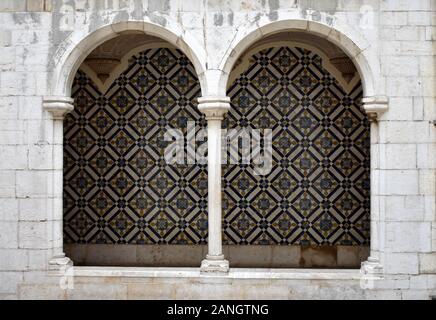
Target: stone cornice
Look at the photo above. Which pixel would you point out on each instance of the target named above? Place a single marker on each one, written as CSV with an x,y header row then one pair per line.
x,y
58,106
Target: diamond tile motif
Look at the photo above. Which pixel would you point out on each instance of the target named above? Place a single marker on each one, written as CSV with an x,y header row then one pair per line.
x,y
317,192
117,187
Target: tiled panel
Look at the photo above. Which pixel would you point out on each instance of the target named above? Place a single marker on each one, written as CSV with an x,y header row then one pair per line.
x,y
317,192
117,186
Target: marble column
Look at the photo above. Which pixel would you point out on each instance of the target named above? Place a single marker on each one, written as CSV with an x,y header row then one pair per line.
x,y
58,107
375,107
214,108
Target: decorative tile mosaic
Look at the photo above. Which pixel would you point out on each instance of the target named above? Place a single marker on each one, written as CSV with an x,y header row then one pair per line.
x,y
117,185
317,192
118,188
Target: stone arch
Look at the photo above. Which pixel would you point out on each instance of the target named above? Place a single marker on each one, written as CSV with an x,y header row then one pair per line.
x,y
357,53
78,46
366,62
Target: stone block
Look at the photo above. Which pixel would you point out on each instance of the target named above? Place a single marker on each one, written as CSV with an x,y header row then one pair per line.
x,y
13,157
313,257
9,234
419,18
427,65
401,263
429,109
41,156
33,209
401,108
8,108
11,137
13,259
33,183
9,281
391,18
30,108
400,66
403,86
284,257
351,256
404,132
405,5
430,33
408,33
97,291
12,5
7,63
427,182
418,282
398,156
415,295
408,236
399,182
430,208
8,209
38,259
35,5
33,235
41,291
416,48
383,294
425,156
427,262
418,108
405,208
7,184
5,38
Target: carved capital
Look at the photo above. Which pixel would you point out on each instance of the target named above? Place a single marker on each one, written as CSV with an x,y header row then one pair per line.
x,y
214,107
375,106
58,106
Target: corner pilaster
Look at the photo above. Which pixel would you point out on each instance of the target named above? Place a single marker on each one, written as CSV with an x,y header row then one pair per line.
x,y
58,107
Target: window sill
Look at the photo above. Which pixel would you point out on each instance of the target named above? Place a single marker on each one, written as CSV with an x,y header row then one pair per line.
x,y
235,273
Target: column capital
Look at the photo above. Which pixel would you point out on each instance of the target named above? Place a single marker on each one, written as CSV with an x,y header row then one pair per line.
x,y
375,106
59,106
214,107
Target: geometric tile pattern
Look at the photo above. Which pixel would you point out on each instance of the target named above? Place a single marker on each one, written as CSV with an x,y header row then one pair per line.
x,y
317,192
117,186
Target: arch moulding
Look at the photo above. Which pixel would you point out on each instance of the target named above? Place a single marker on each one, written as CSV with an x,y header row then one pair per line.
x,y
67,60
71,53
375,102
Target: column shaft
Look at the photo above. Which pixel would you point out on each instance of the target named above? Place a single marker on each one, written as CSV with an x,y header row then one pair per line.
x,y
214,189
214,108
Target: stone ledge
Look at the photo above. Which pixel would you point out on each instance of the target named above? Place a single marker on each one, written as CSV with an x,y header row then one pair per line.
x,y
234,273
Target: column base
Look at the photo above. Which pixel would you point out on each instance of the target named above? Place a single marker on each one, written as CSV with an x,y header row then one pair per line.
x,y
372,272
60,262
214,264
372,266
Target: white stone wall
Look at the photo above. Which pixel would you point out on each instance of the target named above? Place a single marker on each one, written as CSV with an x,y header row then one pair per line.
x,y
392,43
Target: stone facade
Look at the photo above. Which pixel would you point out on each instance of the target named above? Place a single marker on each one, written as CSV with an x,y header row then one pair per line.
x,y
391,44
